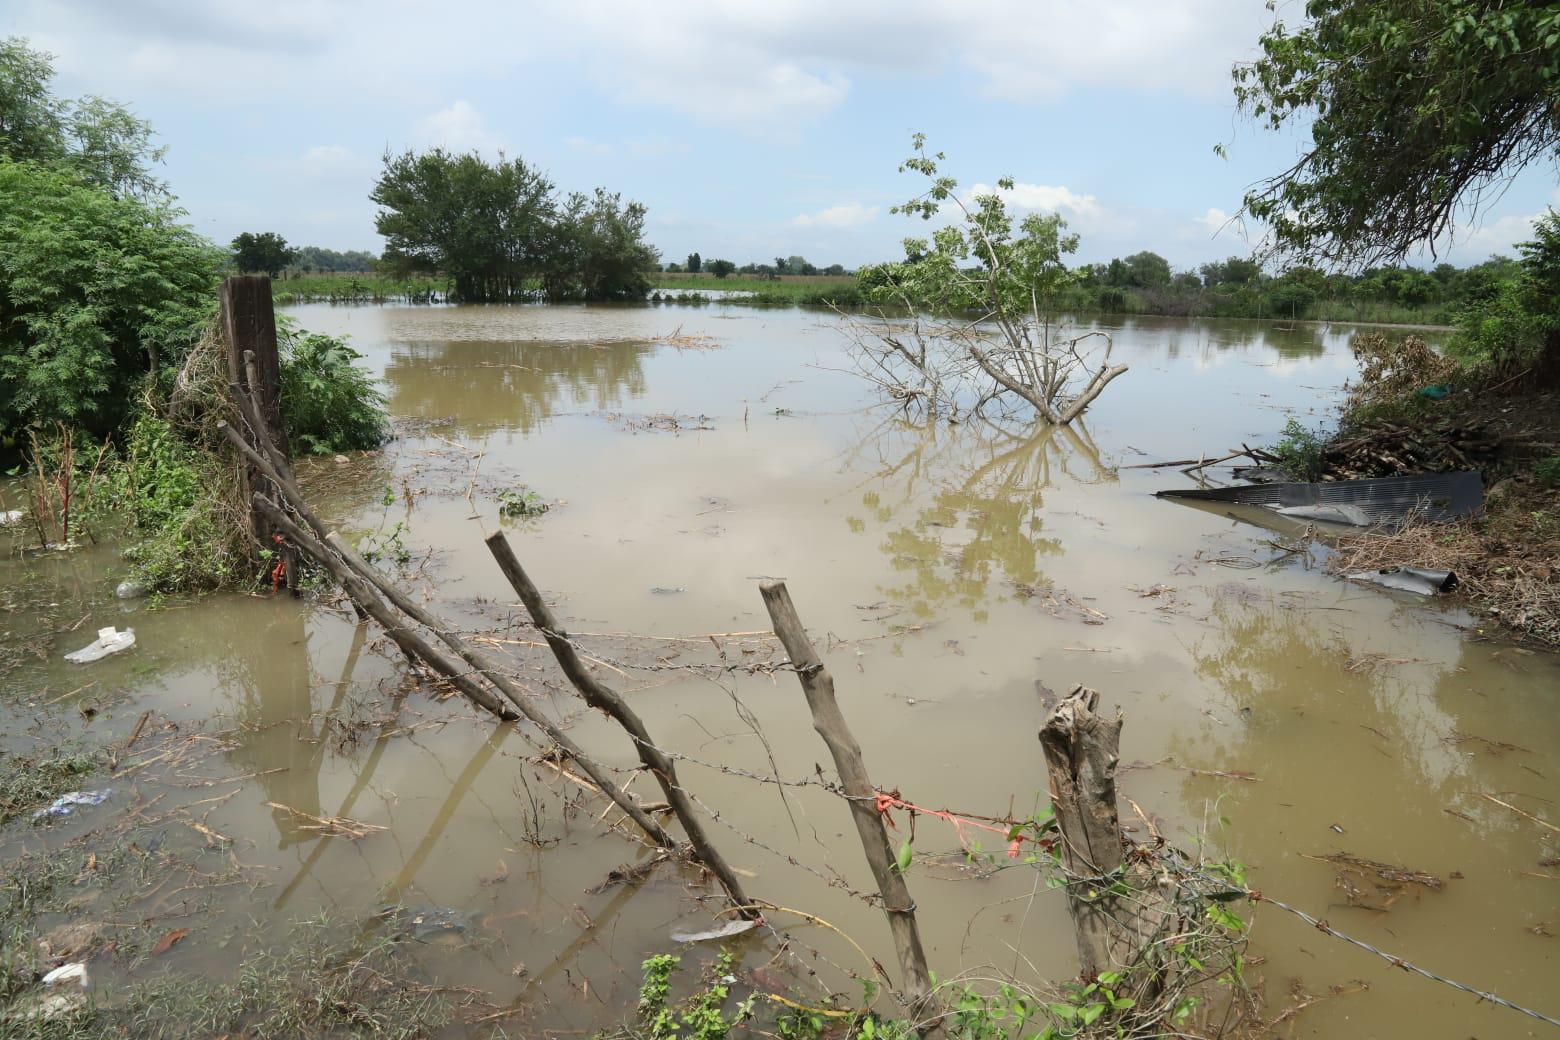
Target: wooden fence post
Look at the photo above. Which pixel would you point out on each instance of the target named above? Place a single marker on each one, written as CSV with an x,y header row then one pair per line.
x,y
247,318
818,687
1118,913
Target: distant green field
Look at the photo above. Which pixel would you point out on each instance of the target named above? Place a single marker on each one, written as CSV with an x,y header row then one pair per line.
x,y
787,290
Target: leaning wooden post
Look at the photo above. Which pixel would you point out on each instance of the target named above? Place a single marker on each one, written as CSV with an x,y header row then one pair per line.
x,y
1117,911
818,686
603,698
247,319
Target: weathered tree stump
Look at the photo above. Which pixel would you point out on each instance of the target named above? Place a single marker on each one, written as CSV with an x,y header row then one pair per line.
x,y
1119,913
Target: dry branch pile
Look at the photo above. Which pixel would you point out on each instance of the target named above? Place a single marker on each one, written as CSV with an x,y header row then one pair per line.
x,y
1389,449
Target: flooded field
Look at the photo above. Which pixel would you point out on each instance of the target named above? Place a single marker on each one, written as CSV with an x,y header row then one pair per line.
x,y
954,573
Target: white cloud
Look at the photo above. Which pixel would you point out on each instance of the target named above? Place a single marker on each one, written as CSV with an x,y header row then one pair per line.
x,y
460,128
847,215
1044,197
586,145
1501,235
784,61
794,61
1214,220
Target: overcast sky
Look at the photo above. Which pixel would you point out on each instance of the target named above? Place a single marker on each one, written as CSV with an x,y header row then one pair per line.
x,y
749,129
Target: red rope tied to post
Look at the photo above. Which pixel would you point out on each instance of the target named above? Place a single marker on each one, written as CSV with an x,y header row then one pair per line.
x,y
279,572
885,802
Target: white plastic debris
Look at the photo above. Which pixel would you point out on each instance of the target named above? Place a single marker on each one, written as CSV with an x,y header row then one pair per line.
x,y
12,516
57,998
109,641
730,928
66,804
76,972
130,589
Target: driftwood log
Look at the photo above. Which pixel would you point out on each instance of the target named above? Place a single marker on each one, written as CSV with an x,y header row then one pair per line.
x,y
1119,915
818,687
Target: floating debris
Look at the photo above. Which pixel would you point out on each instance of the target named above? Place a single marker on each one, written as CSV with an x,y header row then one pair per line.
x,y
109,641
1360,503
724,931
66,804
1420,580
131,589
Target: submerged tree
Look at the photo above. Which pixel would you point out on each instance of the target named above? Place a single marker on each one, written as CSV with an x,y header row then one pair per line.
x,y
486,226
601,252
1417,108
980,294
497,231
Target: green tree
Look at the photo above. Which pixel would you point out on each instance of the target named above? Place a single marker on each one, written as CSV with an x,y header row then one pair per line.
x,y
497,231
488,227
721,268
95,291
601,252
100,140
1416,107
1009,271
694,263
1235,270
265,253
1147,270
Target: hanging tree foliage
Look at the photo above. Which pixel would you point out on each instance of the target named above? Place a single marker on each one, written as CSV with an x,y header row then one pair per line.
x,y
1420,109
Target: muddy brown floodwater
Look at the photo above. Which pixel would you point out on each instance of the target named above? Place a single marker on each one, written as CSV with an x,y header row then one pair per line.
x,y
948,568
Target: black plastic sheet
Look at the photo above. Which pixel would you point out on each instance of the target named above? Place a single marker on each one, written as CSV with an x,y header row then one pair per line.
x,y
1387,501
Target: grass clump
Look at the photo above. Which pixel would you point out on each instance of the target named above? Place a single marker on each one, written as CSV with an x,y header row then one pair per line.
x,y
29,782
316,985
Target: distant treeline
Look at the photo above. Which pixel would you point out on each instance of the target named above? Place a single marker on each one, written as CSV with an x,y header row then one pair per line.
x,y
1145,283
312,259
783,266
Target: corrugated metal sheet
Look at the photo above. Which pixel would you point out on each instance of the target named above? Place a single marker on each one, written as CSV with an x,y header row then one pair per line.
x,y
1384,500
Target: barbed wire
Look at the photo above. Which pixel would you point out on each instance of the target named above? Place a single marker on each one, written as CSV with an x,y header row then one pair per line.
x,y
1258,897
1168,854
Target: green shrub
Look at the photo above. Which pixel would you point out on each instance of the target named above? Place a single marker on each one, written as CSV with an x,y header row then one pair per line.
x,y
329,404
1299,451
1548,472
1515,327
176,502
95,291
1504,332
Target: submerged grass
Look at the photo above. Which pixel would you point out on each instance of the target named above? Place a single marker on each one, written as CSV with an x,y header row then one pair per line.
x,y
94,900
29,782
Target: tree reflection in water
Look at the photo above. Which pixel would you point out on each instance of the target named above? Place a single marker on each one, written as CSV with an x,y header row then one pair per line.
x,y
969,501
483,385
